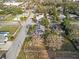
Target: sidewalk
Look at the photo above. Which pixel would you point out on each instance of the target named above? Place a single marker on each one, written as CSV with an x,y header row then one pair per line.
x,y
6,46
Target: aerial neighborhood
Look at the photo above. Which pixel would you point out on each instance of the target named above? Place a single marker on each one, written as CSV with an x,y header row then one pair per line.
x,y
39,29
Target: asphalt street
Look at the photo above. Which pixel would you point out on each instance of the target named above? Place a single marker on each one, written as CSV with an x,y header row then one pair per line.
x,y
14,50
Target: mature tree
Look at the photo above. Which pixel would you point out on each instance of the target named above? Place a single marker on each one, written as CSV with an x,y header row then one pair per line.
x,y
54,41
44,22
32,29
65,26
45,34
23,18
55,13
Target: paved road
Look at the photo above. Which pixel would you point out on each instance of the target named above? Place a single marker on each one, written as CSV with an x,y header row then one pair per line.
x,y
17,44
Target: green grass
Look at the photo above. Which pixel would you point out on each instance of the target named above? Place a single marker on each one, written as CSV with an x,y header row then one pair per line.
x,y
25,45
10,18
10,29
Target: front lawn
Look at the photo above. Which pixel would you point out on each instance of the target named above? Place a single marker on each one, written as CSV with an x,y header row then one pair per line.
x,y
10,29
